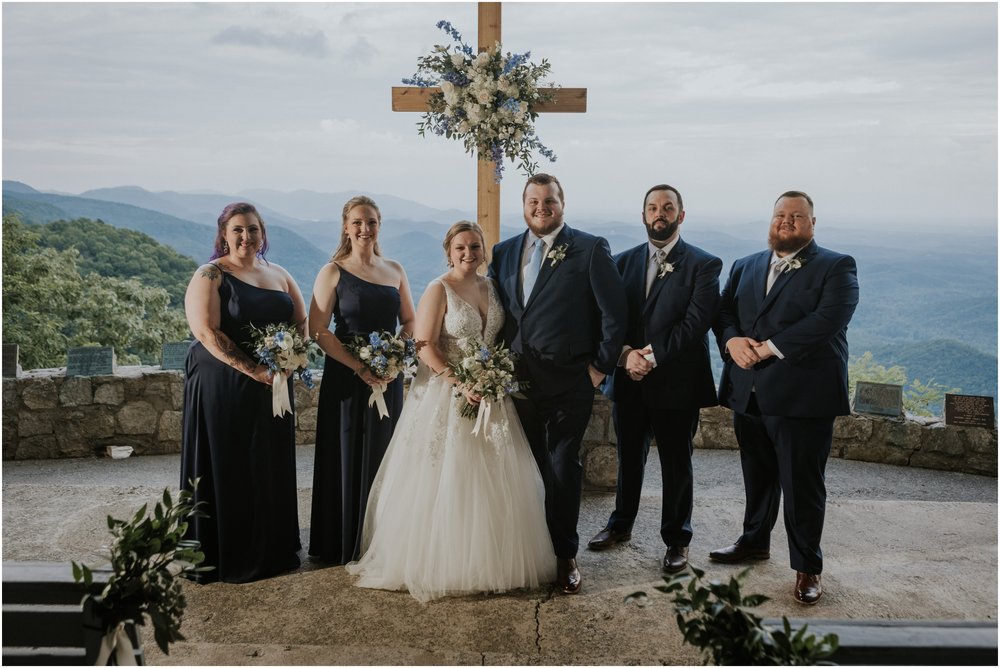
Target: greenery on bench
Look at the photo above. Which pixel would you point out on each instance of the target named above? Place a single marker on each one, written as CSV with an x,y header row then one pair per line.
x,y
718,619
148,556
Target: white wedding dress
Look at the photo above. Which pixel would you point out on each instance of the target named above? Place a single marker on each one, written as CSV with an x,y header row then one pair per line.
x,y
451,512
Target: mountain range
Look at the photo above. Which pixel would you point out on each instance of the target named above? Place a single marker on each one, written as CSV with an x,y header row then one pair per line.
x,y
928,299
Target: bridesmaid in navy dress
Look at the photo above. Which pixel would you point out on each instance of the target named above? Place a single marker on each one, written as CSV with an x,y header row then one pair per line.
x,y
244,457
362,292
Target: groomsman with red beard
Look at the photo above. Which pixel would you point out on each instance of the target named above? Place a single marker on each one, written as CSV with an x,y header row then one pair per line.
x,y
782,330
664,375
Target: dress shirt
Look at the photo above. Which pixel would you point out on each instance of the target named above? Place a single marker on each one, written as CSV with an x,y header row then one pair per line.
x,y
529,242
770,267
651,271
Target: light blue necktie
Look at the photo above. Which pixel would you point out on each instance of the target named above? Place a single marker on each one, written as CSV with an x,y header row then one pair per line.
x,y
534,266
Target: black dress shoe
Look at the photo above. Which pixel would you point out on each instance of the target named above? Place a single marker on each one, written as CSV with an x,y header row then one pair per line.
x,y
736,553
675,560
568,576
607,537
808,588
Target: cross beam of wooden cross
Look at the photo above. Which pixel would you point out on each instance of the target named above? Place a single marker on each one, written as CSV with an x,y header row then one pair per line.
x,y
565,100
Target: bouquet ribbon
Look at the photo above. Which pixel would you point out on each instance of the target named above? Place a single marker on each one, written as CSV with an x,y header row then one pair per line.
x,y
379,400
279,395
483,416
116,641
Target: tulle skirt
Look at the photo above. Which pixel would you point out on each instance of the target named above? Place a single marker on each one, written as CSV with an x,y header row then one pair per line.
x,y
452,512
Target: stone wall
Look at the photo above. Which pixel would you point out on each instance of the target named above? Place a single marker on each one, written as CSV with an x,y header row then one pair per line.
x,y
46,415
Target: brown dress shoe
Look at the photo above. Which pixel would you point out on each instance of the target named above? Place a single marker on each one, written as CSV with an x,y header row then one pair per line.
x,y
808,588
607,537
568,576
675,560
736,553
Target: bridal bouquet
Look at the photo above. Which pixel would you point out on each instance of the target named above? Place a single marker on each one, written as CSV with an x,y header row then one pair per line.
x,y
489,372
487,100
386,355
281,348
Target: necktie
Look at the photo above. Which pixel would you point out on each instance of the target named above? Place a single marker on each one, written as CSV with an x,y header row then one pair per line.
x,y
655,266
534,266
776,270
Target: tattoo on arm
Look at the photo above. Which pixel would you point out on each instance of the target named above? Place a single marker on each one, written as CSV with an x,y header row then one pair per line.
x,y
211,272
236,357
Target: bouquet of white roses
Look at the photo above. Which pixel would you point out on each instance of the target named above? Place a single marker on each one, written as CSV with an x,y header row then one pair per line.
x,y
487,100
281,348
487,371
386,355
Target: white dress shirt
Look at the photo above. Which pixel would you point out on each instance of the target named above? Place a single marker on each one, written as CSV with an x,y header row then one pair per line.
x,y
651,271
529,244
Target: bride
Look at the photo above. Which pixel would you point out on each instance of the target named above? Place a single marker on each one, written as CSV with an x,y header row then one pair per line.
x,y
450,511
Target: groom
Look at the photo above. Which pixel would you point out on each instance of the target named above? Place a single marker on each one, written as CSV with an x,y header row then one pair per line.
x,y
565,308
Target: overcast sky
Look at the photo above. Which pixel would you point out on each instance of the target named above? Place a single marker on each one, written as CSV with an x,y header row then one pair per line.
x,y
885,113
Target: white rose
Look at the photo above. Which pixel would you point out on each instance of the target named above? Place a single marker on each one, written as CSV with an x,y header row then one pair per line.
x,y
483,97
482,58
286,343
364,353
457,59
463,127
447,87
469,363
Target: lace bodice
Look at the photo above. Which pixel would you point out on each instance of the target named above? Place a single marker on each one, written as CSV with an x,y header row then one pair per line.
x,y
463,321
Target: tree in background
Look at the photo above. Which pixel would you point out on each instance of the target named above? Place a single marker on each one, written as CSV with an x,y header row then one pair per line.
x,y
919,398
49,306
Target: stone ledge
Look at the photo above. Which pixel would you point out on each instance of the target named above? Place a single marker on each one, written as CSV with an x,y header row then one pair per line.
x,y
46,415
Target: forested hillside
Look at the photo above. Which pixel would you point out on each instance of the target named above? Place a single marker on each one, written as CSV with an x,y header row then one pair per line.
x,y
50,302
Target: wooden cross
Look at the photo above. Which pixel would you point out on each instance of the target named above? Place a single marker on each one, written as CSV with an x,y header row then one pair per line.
x,y
566,100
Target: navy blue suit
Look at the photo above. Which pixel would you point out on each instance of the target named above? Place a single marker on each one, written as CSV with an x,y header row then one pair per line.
x,y
784,408
674,319
574,317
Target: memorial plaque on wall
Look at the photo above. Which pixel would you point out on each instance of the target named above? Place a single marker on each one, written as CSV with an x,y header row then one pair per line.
x,y
173,355
969,410
10,361
91,361
878,399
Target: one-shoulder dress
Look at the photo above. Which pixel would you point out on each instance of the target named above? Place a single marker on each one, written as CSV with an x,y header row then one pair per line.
x,y
351,438
243,457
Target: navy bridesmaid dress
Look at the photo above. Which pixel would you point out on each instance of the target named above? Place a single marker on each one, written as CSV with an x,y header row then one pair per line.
x,y
351,439
243,456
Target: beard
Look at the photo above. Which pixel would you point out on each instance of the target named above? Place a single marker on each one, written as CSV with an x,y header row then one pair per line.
x,y
789,243
661,234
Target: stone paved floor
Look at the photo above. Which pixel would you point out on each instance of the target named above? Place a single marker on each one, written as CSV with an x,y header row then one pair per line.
x,y
900,543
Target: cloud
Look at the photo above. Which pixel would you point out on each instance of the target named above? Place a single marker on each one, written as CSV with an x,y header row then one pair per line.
x,y
310,43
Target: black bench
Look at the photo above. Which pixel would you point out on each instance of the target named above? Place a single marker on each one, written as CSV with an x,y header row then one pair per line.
x,y
893,642
45,621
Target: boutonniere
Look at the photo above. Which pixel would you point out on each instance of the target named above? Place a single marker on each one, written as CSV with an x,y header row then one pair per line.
x,y
792,265
665,268
557,254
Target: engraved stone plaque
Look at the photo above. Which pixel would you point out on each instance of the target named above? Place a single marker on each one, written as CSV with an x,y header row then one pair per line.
x,y
969,410
91,361
173,355
11,368
878,399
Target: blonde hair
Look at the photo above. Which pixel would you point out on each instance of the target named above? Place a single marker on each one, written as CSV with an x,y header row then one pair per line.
x,y
455,230
344,249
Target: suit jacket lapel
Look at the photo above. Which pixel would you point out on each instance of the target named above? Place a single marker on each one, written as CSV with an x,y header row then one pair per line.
x,y
547,268
783,278
512,272
674,257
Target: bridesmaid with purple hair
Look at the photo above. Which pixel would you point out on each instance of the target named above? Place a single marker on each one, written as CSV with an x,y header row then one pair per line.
x,y
243,457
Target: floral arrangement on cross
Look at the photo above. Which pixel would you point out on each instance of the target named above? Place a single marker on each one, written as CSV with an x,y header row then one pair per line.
x,y
487,100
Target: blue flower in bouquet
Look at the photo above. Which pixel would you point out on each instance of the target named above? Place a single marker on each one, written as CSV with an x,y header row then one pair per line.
x,y
307,378
484,354
380,363
375,339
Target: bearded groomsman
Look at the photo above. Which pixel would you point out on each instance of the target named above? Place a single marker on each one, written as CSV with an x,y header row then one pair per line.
x,y
782,329
664,376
